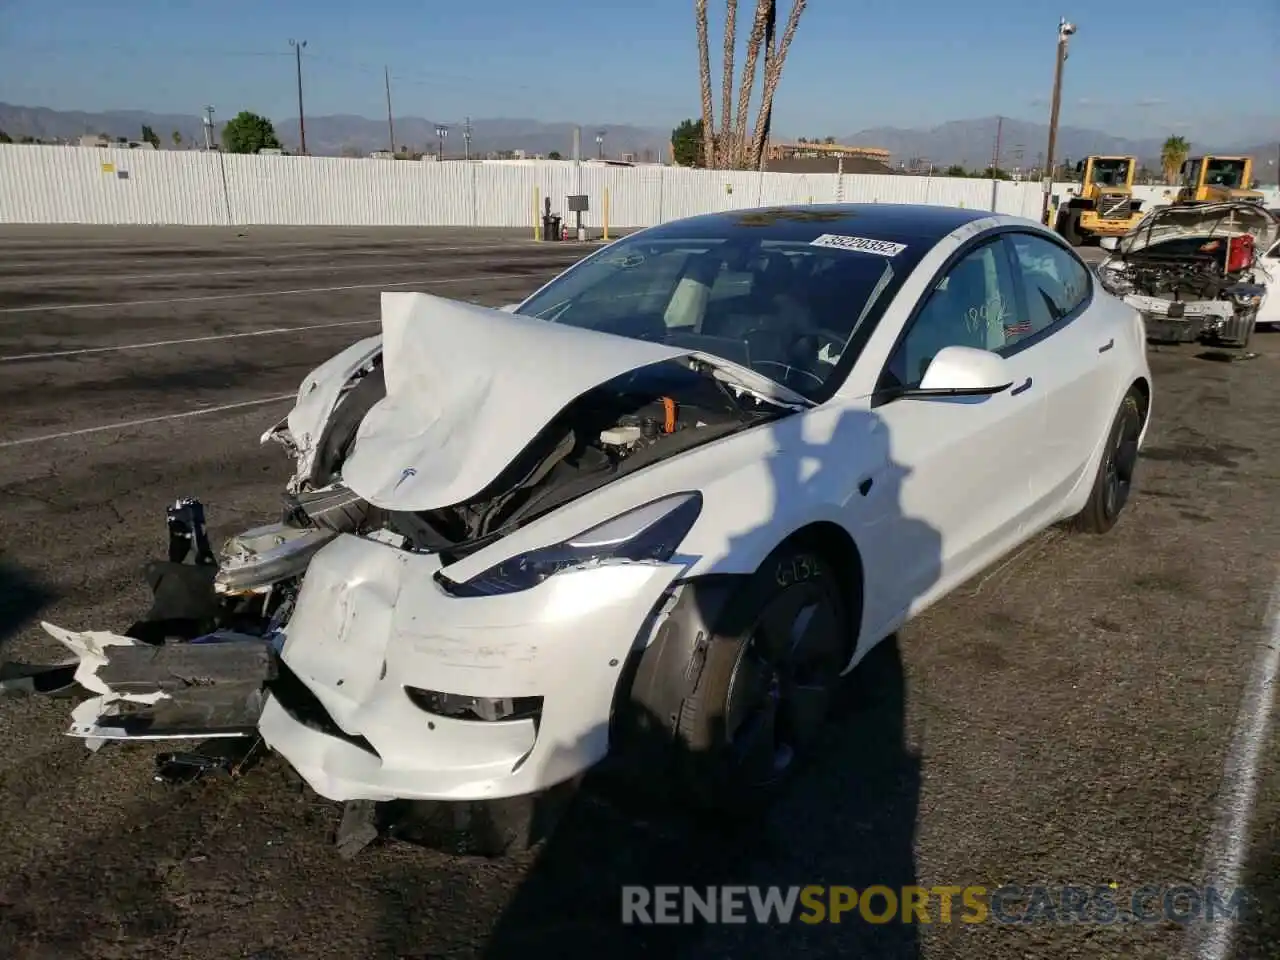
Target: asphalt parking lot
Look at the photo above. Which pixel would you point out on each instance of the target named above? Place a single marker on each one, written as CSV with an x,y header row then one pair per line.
x,y
1082,714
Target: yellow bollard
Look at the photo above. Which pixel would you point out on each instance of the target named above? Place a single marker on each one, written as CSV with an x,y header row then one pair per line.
x,y
537,221
606,213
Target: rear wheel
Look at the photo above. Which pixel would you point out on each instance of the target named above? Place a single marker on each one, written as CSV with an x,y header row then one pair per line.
x,y
1114,480
767,683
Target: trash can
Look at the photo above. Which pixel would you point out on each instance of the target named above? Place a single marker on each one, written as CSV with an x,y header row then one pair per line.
x,y
555,227
550,227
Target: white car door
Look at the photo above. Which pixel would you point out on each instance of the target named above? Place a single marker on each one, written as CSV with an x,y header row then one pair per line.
x,y
1270,263
1072,331
956,489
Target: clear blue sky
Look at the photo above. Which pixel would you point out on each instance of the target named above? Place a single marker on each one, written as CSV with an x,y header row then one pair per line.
x,y
854,64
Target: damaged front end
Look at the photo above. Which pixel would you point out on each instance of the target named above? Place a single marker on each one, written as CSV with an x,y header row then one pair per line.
x,y
407,461
1194,273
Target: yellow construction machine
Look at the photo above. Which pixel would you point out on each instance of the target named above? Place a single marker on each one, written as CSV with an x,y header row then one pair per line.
x,y
1103,204
1217,180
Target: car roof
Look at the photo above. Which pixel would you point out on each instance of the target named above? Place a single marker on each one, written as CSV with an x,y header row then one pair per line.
x,y
909,222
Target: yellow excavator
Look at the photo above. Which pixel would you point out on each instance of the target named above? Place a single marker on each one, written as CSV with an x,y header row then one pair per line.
x,y
1103,204
1217,180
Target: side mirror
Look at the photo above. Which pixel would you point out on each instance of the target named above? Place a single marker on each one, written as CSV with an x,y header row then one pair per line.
x,y
962,372
1109,243
510,308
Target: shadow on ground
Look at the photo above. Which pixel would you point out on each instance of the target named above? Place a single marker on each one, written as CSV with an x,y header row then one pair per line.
x,y
22,597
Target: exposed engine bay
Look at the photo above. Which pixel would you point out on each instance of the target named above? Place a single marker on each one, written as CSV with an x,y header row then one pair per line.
x,y
611,431
1195,273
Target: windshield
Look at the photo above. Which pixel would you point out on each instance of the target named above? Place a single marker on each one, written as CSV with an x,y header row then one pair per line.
x,y
1110,172
781,306
1225,173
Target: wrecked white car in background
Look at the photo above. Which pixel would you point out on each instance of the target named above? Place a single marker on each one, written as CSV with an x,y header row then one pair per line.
x,y
1198,272
654,513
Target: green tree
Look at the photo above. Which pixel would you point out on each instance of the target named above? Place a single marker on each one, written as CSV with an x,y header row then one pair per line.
x,y
1173,154
994,173
828,139
149,136
955,170
554,155
177,138
5,138
687,144
248,132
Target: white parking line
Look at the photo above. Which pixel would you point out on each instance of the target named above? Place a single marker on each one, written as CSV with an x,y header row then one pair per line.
x,y
63,256
145,420
242,272
251,294
52,354
1229,839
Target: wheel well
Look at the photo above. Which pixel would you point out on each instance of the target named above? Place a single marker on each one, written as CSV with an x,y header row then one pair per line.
x,y
1143,390
833,543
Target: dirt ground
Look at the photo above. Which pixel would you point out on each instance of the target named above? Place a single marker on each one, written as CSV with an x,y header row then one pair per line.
x,y
1065,718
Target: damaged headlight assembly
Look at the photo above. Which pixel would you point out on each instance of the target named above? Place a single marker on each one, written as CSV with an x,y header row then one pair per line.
x,y
652,532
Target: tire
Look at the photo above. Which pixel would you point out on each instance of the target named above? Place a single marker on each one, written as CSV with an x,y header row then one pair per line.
x,y
1113,482
1071,229
764,691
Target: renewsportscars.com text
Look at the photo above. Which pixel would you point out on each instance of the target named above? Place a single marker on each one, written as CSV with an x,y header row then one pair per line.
x,y
813,904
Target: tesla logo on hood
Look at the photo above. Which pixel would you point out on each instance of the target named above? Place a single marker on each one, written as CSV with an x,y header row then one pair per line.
x,y
405,474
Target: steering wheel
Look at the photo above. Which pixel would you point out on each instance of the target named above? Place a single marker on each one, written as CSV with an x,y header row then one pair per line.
x,y
824,338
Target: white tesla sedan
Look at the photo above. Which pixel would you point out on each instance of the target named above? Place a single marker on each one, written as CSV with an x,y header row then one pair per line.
x,y
680,489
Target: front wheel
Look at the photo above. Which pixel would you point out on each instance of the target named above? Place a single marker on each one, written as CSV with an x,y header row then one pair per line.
x,y
767,683
1114,480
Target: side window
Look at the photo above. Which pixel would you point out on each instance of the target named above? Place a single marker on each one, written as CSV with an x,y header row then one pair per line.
x,y
973,305
1056,283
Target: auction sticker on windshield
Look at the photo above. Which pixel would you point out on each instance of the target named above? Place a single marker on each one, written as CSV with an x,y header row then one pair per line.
x,y
861,244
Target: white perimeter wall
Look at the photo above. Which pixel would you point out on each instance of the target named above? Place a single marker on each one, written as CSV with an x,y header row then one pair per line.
x,y
48,184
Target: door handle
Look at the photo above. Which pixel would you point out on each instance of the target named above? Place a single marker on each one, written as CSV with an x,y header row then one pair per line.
x,y
1021,388
1107,346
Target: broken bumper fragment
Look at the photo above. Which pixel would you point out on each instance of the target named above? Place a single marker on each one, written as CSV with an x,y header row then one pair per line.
x,y
213,688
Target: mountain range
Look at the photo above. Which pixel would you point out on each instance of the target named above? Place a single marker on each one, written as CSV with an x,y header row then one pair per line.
x,y
969,143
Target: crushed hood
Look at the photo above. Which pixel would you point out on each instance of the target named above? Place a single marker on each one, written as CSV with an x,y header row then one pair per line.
x,y
1234,218
469,387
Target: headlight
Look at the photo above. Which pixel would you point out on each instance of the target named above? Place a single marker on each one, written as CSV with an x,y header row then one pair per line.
x,y
651,532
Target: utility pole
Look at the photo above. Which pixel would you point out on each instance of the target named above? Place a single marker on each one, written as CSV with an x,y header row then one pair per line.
x,y
1065,30
995,163
208,128
302,125
391,127
441,132
600,145
466,138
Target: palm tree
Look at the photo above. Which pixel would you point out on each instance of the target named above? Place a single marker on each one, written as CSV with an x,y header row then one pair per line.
x,y
1172,155
704,73
724,146
730,148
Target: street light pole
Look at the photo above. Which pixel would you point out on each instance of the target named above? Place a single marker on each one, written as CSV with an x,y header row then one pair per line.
x,y
441,132
600,145
391,127
1065,30
302,125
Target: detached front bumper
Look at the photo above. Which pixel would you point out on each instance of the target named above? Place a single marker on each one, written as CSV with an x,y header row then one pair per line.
x,y
1184,321
394,676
